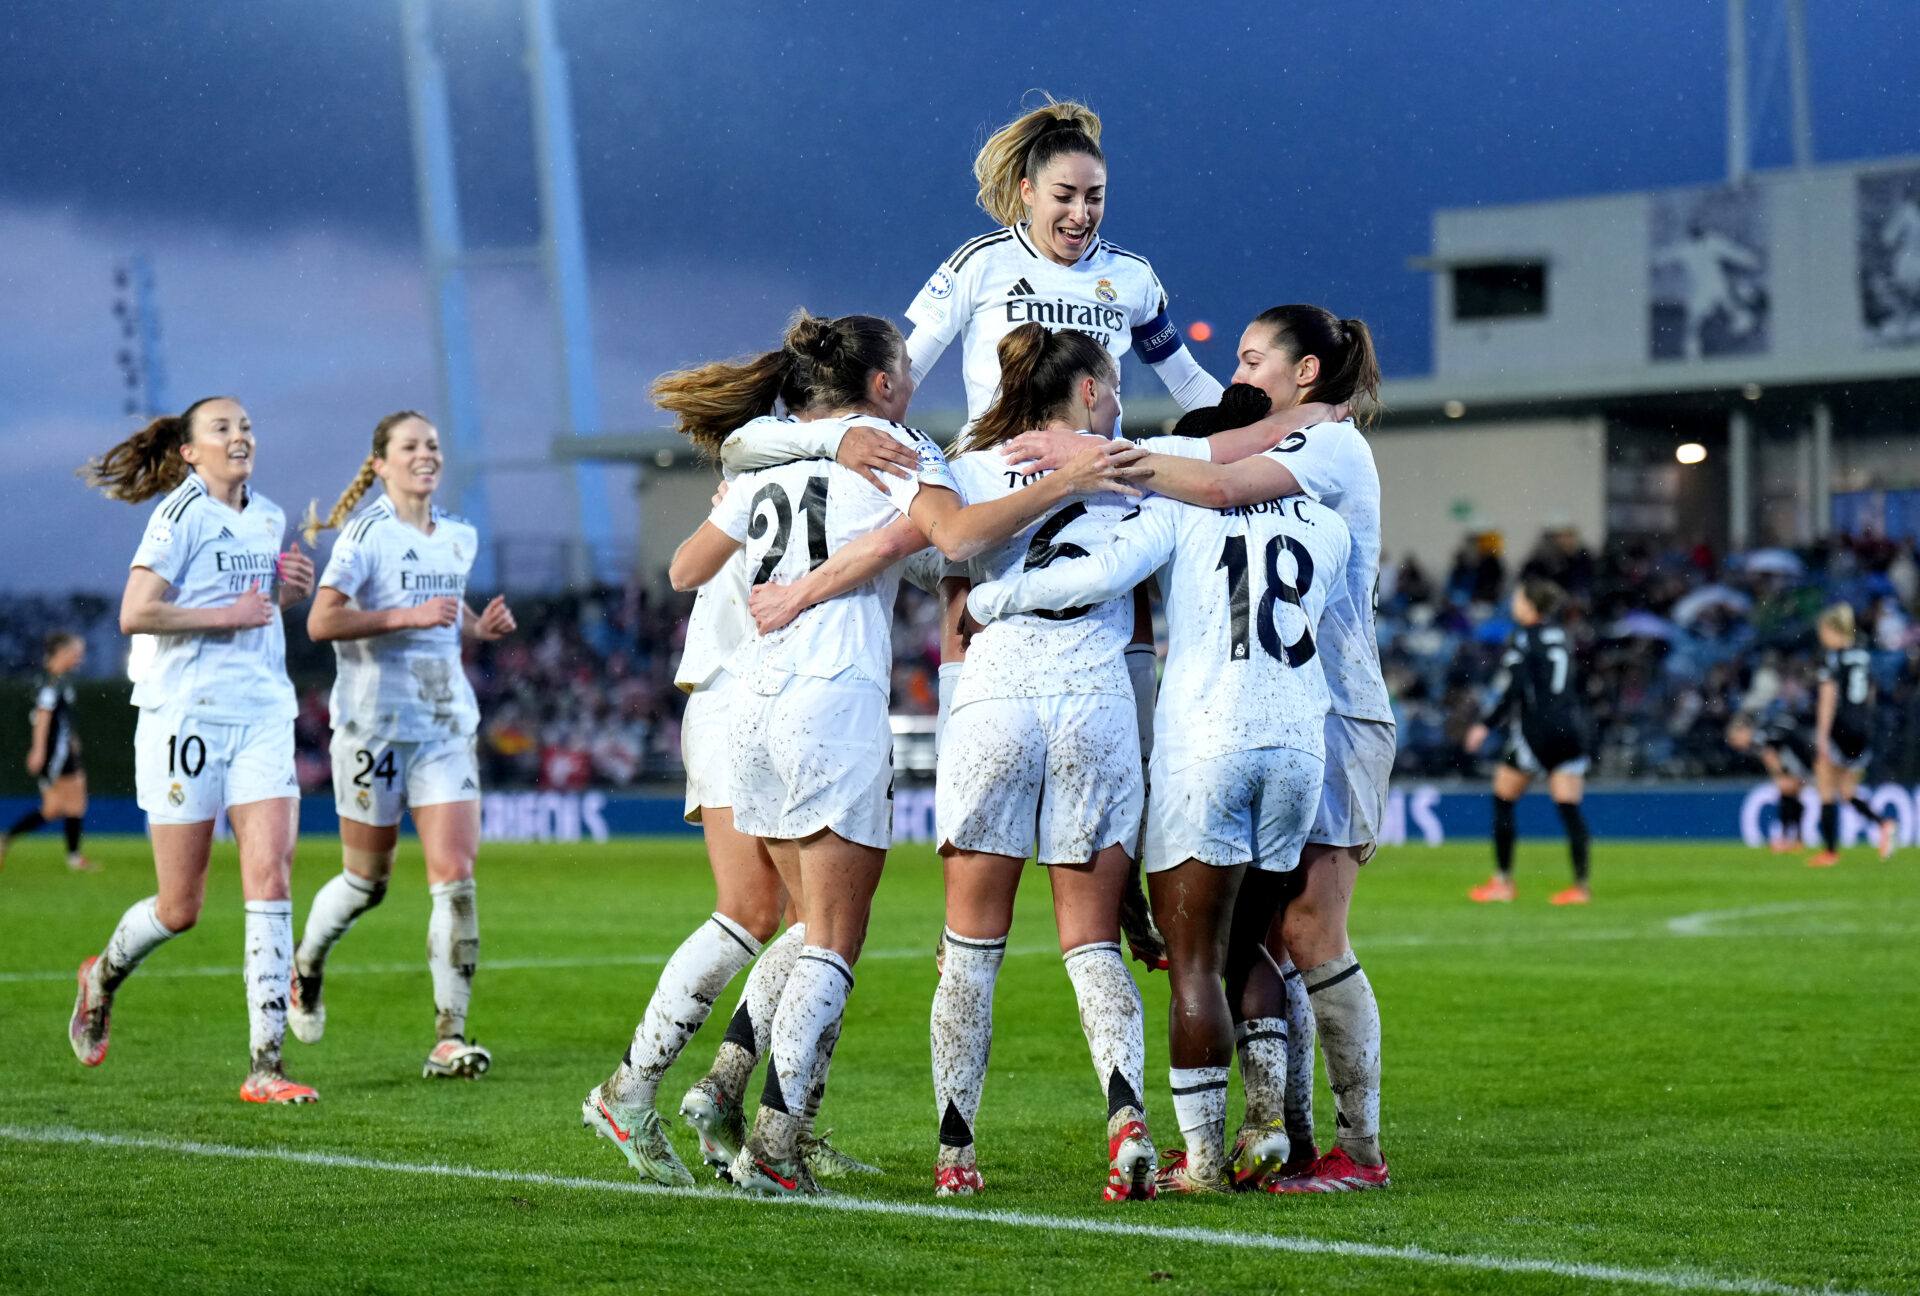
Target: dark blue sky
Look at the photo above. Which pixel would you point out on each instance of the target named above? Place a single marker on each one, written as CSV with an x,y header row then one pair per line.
x,y
1258,153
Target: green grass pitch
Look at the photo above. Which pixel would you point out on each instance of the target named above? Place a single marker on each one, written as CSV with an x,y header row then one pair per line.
x,y
1708,1080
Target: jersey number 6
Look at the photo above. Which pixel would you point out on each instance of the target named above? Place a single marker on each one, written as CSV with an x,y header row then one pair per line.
x,y
1046,547
813,503
1233,560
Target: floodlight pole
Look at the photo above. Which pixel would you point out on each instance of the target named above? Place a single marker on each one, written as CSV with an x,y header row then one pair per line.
x,y
1738,153
1797,79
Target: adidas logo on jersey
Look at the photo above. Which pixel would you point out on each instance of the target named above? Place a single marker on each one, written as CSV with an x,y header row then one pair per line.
x,y
468,785
1021,289
409,556
225,534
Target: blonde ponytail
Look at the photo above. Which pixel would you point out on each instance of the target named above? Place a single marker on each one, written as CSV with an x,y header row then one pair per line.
x,y
311,526
1018,150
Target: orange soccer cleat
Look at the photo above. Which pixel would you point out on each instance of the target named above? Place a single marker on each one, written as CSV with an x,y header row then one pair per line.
x,y
1572,895
1495,890
1889,837
272,1087
1824,859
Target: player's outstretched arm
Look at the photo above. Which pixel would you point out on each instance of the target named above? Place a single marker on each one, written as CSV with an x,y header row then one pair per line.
x,y
1208,484
849,568
144,609
962,531
1236,444
700,557
1141,546
763,443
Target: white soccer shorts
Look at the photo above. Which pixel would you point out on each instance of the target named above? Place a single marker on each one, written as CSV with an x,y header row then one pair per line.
x,y
1012,769
374,781
1353,804
817,754
185,769
704,746
1249,807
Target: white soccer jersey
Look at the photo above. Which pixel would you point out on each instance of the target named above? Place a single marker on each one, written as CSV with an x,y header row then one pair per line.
x,y
406,685
999,281
210,554
1043,654
1248,594
793,517
1333,463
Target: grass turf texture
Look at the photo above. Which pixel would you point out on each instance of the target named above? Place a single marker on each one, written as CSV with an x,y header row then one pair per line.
x,y
1631,1084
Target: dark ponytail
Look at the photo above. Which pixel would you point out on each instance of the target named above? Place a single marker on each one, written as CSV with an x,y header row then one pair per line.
x,y
1349,370
1038,370
148,463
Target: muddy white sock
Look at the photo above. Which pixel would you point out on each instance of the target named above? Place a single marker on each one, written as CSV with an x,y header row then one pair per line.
x,y
818,1094
138,934
1349,1022
1113,1020
963,1033
335,907
814,1001
1262,1045
267,967
751,1027
1300,1042
453,953
689,984
1200,1107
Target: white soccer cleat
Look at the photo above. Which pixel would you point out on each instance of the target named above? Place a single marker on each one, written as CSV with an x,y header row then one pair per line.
x,y
719,1120
306,1014
829,1162
455,1057
1131,1163
1260,1152
87,1029
640,1136
758,1172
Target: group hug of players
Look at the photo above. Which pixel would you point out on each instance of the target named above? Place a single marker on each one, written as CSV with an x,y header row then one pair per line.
x,y
1267,745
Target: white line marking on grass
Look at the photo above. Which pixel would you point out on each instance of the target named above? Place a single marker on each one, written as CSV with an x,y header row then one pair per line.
x,y
1670,1279
1702,923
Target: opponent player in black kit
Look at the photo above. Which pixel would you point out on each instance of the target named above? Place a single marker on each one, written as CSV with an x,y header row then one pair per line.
x,y
1783,745
1843,734
54,757
1537,694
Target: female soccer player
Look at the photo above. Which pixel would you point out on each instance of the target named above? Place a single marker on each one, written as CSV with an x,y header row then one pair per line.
x,y
1787,753
1843,734
209,582
392,602
1537,696
1237,762
811,744
54,756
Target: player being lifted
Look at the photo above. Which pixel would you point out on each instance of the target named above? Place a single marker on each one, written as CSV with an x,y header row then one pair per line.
x,y
216,714
1237,765
53,757
710,403
812,747
1843,734
1785,750
392,601
1537,698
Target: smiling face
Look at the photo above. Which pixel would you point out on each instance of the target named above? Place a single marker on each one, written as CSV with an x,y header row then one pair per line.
x,y
1064,205
220,446
1266,364
412,462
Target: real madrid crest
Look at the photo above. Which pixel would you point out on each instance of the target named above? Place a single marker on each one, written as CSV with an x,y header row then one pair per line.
x,y
1104,290
361,799
175,796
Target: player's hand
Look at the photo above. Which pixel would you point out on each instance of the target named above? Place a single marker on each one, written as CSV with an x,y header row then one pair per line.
x,y
870,452
1094,470
296,575
1045,451
435,612
35,764
496,622
1476,738
773,606
721,493
248,612
968,627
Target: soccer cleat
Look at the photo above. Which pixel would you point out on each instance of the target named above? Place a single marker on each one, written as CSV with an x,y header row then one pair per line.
x,y
81,864
1298,1161
272,1087
1572,895
1889,837
720,1121
1788,845
1174,1176
957,1181
457,1057
828,1161
763,1175
1495,890
306,1015
87,1028
1259,1153
1334,1172
639,1135
1144,941
1824,859
1130,1158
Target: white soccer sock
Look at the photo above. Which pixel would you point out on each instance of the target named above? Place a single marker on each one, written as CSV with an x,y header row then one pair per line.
x,y
336,905
1349,1022
1262,1045
818,1094
1300,1041
1200,1106
138,934
453,954
814,1001
751,1027
693,978
267,968
1114,1022
962,1031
